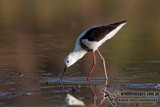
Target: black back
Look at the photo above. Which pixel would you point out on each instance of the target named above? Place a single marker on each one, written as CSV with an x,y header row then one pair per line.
x,y
98,33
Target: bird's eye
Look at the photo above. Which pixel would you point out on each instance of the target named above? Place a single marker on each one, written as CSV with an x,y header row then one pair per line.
x,y
67,61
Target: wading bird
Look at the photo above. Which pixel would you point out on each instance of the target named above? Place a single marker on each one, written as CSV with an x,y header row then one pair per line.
x,y
89,41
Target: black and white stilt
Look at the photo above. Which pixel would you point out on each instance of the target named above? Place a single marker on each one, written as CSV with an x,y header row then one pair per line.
x,y
89,41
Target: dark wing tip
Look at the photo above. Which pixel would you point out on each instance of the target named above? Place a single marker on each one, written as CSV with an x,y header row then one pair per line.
x,y
118,23
125,21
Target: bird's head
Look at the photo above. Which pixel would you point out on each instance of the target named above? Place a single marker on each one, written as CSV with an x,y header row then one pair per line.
x,y
68,61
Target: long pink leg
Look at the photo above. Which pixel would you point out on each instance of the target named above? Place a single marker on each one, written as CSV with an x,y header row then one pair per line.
x,y
94,63
105,75
103,64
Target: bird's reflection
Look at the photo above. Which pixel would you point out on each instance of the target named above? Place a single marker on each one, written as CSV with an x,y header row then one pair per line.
x,y
94,94
103,98
72,100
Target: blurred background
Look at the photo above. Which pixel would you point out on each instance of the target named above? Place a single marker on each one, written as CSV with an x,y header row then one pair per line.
x,y
36,36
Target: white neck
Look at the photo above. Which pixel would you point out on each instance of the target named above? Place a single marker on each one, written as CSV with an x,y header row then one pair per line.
x,y
79,54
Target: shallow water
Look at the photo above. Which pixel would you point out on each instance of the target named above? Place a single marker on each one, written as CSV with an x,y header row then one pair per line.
x,y
43,87
39,35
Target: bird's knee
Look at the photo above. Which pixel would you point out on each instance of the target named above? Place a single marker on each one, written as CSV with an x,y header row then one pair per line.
x,y
103,60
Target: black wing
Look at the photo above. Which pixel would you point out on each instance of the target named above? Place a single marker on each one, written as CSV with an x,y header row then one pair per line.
x,y
98,33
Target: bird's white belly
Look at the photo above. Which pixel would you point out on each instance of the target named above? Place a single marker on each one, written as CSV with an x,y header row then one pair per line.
x,y
92,44
95,44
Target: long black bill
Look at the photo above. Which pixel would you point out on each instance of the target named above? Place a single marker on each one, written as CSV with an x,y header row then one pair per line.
x,y
63,73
